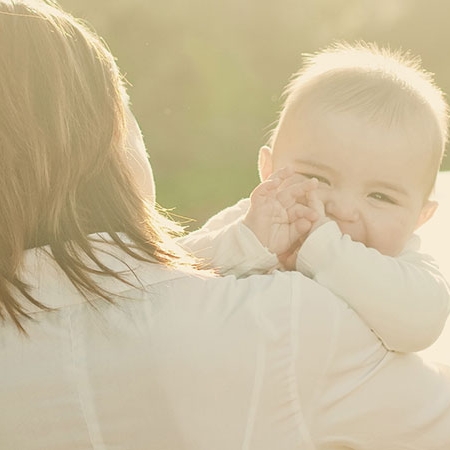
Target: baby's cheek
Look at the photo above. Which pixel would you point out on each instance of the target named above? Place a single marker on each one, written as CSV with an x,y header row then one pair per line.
x,y
391,239
323,193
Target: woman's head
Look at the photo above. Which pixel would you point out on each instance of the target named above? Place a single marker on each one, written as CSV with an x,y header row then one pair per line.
x,y
63,135
61,121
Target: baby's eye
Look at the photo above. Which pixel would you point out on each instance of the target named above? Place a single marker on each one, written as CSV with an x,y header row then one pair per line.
x,y
382,198
317,177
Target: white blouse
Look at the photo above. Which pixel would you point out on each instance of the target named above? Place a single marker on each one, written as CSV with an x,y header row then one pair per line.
x,y
186,361
405,300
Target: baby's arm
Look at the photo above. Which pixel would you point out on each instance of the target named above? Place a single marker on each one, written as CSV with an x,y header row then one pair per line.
x,y
225,244
405,299
247,237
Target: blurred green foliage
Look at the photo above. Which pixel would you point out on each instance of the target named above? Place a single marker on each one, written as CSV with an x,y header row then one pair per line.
x,y
207,76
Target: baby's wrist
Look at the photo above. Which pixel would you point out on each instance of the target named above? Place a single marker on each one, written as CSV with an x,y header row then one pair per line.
x,y
318,223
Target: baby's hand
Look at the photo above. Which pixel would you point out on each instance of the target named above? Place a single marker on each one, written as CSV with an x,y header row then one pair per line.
x,y
313,201
279,214
288,259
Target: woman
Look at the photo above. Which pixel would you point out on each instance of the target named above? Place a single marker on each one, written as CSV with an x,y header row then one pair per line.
x,y
111,339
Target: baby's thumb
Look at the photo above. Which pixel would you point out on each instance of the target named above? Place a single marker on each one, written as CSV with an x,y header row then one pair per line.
x,y
315,203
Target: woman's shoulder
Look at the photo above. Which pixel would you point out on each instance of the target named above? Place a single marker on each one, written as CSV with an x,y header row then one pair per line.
x,y
276,296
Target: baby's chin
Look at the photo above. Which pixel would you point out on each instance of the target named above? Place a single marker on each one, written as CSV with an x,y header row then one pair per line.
x,y
392,251
386,249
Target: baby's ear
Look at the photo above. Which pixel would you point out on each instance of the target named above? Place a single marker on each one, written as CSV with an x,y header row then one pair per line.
x,y
265,167
427,212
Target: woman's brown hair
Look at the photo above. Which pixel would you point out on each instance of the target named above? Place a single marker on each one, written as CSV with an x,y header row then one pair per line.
x,y
63,171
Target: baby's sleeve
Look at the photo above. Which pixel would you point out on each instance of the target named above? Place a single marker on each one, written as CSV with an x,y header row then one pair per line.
x,y
224,243
405,300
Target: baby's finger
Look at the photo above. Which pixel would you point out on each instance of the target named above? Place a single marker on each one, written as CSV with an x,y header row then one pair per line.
x,y
283,173
293,179
298,211
295,193
315,203
298,178
299,181
302,226
265,189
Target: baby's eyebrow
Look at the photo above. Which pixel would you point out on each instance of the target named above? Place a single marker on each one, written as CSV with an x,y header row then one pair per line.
x,y
391,187
314,164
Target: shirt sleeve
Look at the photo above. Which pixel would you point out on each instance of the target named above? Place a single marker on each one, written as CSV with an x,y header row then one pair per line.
x,y
405,300
224,243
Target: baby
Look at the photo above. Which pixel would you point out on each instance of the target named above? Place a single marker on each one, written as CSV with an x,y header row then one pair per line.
x,y
346,180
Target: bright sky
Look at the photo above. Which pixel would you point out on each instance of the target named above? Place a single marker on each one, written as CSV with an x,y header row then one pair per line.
x,y
436,242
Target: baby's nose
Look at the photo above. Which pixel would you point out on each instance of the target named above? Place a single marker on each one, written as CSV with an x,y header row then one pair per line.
x,y
341,208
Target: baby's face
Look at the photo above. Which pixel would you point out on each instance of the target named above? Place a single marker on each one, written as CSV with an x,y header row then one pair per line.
x,y
373,182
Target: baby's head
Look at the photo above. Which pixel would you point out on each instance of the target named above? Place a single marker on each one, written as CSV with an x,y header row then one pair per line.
x,y
371,125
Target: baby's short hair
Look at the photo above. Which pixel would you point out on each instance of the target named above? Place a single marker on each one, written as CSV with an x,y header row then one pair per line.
x,y
378,84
